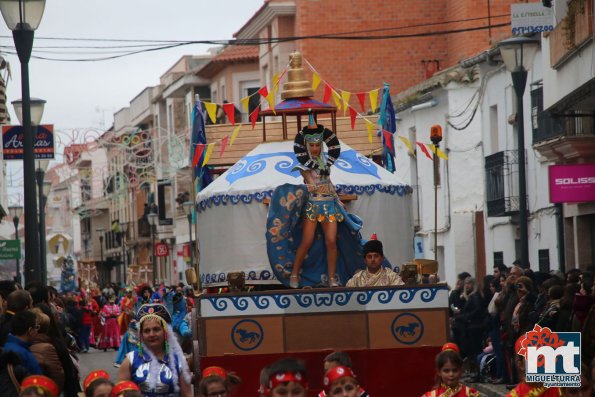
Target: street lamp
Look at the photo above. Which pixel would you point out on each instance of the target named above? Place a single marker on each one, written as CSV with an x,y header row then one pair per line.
x,y
518,54
152,218
42,166
23,17
85,236
101,232
123,230
436,138
188,206
16,212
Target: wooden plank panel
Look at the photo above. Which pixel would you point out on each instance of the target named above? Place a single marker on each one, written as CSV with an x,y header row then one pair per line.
x,y
262,335
407,329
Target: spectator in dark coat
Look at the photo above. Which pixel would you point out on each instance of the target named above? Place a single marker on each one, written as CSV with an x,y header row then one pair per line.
x,y
11,364
17,301
24,329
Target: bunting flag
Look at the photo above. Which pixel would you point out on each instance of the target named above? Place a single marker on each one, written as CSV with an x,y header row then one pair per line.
x,y
407,143
424,149
208,154
198,151
374,99
246,103
327,93
388,123
337,99
223,145
370,127
271,100
212,111
230,110
234,134
345,95
315,80
264,91
275,80
436,150
352,115
254,116
361,97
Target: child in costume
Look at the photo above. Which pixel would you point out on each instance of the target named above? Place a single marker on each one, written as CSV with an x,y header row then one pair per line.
x,y
338,359
39,386
110,337
287,377
98,384
217,381
449,368
341,381
126,389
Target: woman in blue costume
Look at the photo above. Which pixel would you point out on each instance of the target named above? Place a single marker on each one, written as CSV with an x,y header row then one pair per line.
x,y
158,366
297,213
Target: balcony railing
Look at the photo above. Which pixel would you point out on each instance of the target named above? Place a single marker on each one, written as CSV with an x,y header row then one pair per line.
x,y
572,32
502,183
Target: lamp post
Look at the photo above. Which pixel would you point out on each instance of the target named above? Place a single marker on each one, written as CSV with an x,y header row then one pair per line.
x,y
101,232
188,206
42,166
85,237
152,218
436,138
123,230
23,17
518,54
16,212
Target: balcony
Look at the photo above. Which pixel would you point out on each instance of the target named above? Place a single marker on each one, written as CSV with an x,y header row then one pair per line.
x,y
502,183
572,33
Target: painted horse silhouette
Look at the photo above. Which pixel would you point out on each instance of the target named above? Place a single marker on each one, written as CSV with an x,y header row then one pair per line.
x,y
407,330
247,337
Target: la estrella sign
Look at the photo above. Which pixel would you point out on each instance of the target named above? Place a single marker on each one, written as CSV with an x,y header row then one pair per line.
x,y
12,142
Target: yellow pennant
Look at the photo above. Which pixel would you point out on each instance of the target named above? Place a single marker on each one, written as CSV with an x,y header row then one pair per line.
x,y
374,98
370,127
208,154
337,99
407,143
212,111
234,134
271,101
275,83
345,96
441,154
315,81
245,101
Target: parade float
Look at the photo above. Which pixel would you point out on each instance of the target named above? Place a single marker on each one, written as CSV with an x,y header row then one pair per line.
x,y
391,333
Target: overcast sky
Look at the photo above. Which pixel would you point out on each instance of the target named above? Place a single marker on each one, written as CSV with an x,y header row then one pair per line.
x,y
86,94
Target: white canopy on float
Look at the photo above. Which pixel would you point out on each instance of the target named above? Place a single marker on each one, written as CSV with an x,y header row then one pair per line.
x,y
232,212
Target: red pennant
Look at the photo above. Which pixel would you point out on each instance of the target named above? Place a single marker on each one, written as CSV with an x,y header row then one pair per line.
x,y
388,141
361,97
230,110
254,116
264,91
200,148
353,115
424,149
328,91
223,145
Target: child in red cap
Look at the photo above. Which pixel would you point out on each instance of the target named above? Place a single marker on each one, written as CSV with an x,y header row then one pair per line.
x,y
449,368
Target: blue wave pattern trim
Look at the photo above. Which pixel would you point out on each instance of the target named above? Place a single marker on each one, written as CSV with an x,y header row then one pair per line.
x,y
324,299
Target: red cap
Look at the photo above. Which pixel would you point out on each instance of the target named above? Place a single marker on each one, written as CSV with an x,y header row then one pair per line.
x,y
123,386
214,371
93,376
42,382
450,346
373,236
336,373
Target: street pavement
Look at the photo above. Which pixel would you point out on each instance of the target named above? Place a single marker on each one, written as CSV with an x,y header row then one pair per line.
x,y
98,359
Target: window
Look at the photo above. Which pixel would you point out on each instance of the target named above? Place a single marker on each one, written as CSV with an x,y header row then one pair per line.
x,y
544,260
498,258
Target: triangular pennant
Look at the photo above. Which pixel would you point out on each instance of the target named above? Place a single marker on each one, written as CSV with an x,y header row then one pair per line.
x,y
275,83
208,154
254,116
229,109
370,127
271,101
424,149
441,154
315,81
407,143
353,115
264,91
245,103
345,95
361,97
387,135
374,99
328,91
337,99
234,134
212,111
200,148
223,145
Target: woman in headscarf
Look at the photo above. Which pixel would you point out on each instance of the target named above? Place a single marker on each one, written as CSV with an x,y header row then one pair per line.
x,y
158,367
